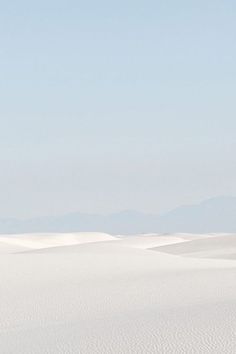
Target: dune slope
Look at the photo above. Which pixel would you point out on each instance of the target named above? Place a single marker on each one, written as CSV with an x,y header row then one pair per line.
x,y
214,247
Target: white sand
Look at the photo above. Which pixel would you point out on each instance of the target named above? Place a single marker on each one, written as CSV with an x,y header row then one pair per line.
x,y
37,241
65,295
151,241
214,247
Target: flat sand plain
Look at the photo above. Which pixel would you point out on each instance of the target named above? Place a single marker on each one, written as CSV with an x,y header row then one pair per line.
x,y
93,293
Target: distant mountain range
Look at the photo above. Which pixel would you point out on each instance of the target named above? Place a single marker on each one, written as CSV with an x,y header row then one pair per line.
x,y
213,215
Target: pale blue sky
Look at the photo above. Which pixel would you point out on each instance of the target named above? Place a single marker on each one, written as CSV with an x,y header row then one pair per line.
x,y
116,105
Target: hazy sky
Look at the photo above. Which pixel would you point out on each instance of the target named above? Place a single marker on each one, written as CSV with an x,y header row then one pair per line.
x,y
119,105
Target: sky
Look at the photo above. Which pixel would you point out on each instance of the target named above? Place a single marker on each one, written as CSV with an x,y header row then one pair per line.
x,y
108,106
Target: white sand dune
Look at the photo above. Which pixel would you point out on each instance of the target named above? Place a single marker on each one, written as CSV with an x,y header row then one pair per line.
x,y
37,241
108,297
6,248
146,241
214,247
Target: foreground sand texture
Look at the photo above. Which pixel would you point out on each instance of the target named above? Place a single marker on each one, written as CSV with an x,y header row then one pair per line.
x,y
98,294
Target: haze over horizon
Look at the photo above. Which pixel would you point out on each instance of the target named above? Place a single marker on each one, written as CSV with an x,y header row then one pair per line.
x,y
115,106
215,215
217,199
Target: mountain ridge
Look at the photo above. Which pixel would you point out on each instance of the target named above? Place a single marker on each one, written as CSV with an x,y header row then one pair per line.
x,y
216,214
